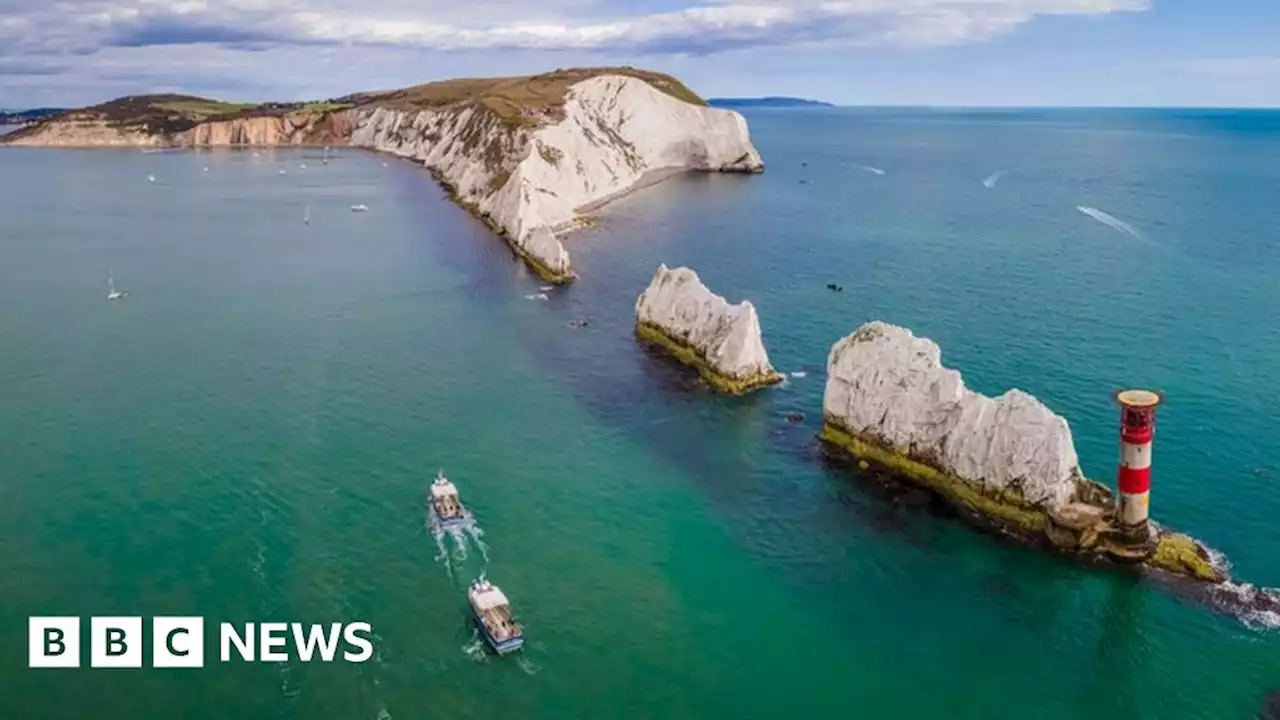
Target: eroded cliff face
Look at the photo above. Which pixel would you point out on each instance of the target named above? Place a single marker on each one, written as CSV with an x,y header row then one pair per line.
x,y
83,130
297,128
703,330
887,384
531,183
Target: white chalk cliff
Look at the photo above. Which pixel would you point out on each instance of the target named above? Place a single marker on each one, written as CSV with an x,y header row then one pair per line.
x,y
886,384
532,182
726,336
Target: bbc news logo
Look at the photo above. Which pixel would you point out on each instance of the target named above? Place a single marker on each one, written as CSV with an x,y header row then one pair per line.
x,y
178,642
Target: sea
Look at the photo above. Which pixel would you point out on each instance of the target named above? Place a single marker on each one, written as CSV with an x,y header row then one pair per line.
x,y
249,434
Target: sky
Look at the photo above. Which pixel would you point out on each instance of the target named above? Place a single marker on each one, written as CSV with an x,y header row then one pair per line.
x,y
1219,53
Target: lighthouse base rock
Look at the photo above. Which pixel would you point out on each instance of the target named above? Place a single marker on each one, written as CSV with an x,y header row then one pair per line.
x,y
703,330
1008,463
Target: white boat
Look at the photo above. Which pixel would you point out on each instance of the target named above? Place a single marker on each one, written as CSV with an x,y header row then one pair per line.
x,y
306,215
282,172
359,208
325,161
302,165
492,613
151,178
206,169
444,501
112,292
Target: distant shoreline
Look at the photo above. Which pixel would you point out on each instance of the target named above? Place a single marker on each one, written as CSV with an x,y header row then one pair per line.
x,y
766,102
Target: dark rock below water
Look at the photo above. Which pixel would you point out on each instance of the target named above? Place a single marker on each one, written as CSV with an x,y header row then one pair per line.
x,y
1270,706
795,417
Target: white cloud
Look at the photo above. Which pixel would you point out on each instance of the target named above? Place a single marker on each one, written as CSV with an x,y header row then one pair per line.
x,y
84,25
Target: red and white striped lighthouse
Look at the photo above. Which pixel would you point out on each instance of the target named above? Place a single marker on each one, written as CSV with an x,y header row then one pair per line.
x,y
1137,430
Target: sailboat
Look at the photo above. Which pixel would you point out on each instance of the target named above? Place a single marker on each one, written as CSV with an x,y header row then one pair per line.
x,y
306,215
112,292
325,161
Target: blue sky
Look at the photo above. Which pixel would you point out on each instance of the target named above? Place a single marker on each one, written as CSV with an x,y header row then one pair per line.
x,y
857,52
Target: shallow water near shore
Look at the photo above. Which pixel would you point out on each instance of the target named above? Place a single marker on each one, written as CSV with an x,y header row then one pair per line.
x,y
250,434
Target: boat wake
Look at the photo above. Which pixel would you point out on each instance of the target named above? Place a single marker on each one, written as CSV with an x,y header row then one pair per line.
x,y
1109,220
453,544
872,170
536,296
475,649
799,374
527,665
442,556
994,178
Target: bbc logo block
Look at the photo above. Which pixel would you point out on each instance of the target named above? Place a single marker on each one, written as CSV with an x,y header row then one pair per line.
x,y
115,642
53,642
178,642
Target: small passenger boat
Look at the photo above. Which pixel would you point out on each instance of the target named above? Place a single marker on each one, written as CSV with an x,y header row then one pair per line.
x,y
444,501
492,613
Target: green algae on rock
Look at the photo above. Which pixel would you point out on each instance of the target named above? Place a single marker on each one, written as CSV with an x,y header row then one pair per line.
x,y
1008,463
701,329
691,357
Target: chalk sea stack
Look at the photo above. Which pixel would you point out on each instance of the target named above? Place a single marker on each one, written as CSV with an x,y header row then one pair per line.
x,y
530,156
1007,463
701,329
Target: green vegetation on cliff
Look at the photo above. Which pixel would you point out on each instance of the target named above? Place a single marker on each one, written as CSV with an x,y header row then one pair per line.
x,y
518,101
524,101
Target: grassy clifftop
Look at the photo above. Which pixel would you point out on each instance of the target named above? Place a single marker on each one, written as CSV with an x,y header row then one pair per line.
x,y
522,100
517,101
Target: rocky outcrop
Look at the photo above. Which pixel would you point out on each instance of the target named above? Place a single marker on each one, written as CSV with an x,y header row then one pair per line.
x,y
703,330
1007,462
531,182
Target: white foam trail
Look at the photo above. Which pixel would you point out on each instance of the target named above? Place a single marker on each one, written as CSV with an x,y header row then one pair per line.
x,y
475,649
994,178
799,374
527,665
476,533
547,288
872,170
443,556
459,545
538,296
260,560
383,714
1109,220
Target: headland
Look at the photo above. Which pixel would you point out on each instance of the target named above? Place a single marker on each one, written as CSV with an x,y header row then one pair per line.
x,y
527,155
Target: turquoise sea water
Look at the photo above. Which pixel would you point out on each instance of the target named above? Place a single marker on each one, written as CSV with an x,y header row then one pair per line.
x,y
249,435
